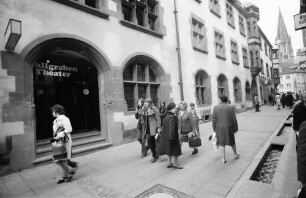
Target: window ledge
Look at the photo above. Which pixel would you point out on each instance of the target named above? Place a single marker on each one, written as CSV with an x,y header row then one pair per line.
x,y
99,13
141,29
220,57
231,25
200,50
245,66
235,62
215,13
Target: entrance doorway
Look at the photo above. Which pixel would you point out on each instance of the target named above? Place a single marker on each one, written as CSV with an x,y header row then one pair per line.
x,y
68,78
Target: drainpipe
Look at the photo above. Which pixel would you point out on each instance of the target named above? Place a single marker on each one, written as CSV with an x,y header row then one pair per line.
x,y
178,49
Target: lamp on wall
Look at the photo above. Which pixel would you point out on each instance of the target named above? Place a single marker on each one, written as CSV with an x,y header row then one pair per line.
x,y
12,34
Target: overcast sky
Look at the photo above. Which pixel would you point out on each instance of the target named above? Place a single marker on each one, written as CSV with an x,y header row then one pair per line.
x,y
269,17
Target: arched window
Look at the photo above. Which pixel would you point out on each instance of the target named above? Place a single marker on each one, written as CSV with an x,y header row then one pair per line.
x,y
140,81
237,90
247,91
222,85
203,88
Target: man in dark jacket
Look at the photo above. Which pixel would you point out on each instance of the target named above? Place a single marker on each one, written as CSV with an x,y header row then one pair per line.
x,y
301,158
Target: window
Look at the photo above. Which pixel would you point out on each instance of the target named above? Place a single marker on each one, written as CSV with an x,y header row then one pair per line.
x,y
230,15
252,59
288,85
266,49
287,77
91,3
267,70
142,13
222,85
234,52
199,38
261,65
241,25
247,91
203,91
260,40
286,57
140,81
219,45
245,57
237,90
214,6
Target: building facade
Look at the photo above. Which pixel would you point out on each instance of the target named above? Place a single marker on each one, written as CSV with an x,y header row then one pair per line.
x,y
293,81
96,58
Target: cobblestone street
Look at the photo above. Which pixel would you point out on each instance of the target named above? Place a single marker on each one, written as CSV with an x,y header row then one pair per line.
x,y
119,171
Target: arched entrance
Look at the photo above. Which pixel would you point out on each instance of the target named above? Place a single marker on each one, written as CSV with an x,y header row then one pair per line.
x,y
254,89
69,72
237,90
247,91
203,88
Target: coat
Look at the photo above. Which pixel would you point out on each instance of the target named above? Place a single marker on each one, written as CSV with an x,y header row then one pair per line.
x,y
170,144
225,124
299,115
301,153
64,122
185,122
151,120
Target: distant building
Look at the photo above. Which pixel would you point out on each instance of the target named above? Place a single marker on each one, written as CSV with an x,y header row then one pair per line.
x,y
292,81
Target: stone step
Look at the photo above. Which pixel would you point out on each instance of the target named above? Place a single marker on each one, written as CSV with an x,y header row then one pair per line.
x,y
75,144
75,137
75,152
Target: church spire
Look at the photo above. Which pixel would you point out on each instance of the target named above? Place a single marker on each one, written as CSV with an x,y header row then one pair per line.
x,y
281,28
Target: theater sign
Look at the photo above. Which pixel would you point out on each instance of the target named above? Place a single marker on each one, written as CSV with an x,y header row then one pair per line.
x,y
300,21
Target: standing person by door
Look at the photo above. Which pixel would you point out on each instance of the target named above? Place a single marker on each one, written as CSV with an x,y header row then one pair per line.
x,y
225,125
62,122
152,126
256,101
196,117
186,124
141,137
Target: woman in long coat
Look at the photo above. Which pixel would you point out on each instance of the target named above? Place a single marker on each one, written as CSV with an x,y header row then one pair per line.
x,y
225,125
301,156
170,142
140,124
186,124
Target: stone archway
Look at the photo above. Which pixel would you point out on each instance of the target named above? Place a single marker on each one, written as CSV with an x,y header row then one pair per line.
x,y
74,48
222,85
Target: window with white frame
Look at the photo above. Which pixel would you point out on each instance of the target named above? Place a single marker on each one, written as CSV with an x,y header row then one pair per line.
x,y
219,45
214,6
234,52
230,15
245,57
241,25
199,38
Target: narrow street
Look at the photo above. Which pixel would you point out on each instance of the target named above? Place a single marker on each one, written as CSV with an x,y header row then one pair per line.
x,y
119,171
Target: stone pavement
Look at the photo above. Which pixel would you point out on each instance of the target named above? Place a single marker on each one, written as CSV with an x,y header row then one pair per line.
x,y
119,171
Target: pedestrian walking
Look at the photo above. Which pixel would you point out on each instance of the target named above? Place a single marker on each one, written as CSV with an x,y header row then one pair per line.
x,y
186,124
289,100
140,128
301,159
283,100
270,98
278,101
256,101
299,114
170,142
225,125
152,126
61,135
196,117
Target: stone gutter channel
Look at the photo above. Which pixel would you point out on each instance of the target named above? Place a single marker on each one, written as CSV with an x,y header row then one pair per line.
x,y
272,173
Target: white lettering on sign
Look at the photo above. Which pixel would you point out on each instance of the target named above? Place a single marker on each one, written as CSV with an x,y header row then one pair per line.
x,y
47,69
300,21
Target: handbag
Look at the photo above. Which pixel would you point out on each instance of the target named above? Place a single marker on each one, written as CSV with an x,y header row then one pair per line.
x,y
58,145
194,140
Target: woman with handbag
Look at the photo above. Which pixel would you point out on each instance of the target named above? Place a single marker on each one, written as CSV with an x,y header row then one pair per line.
x,y
141,137
61,142
186,125
225,125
